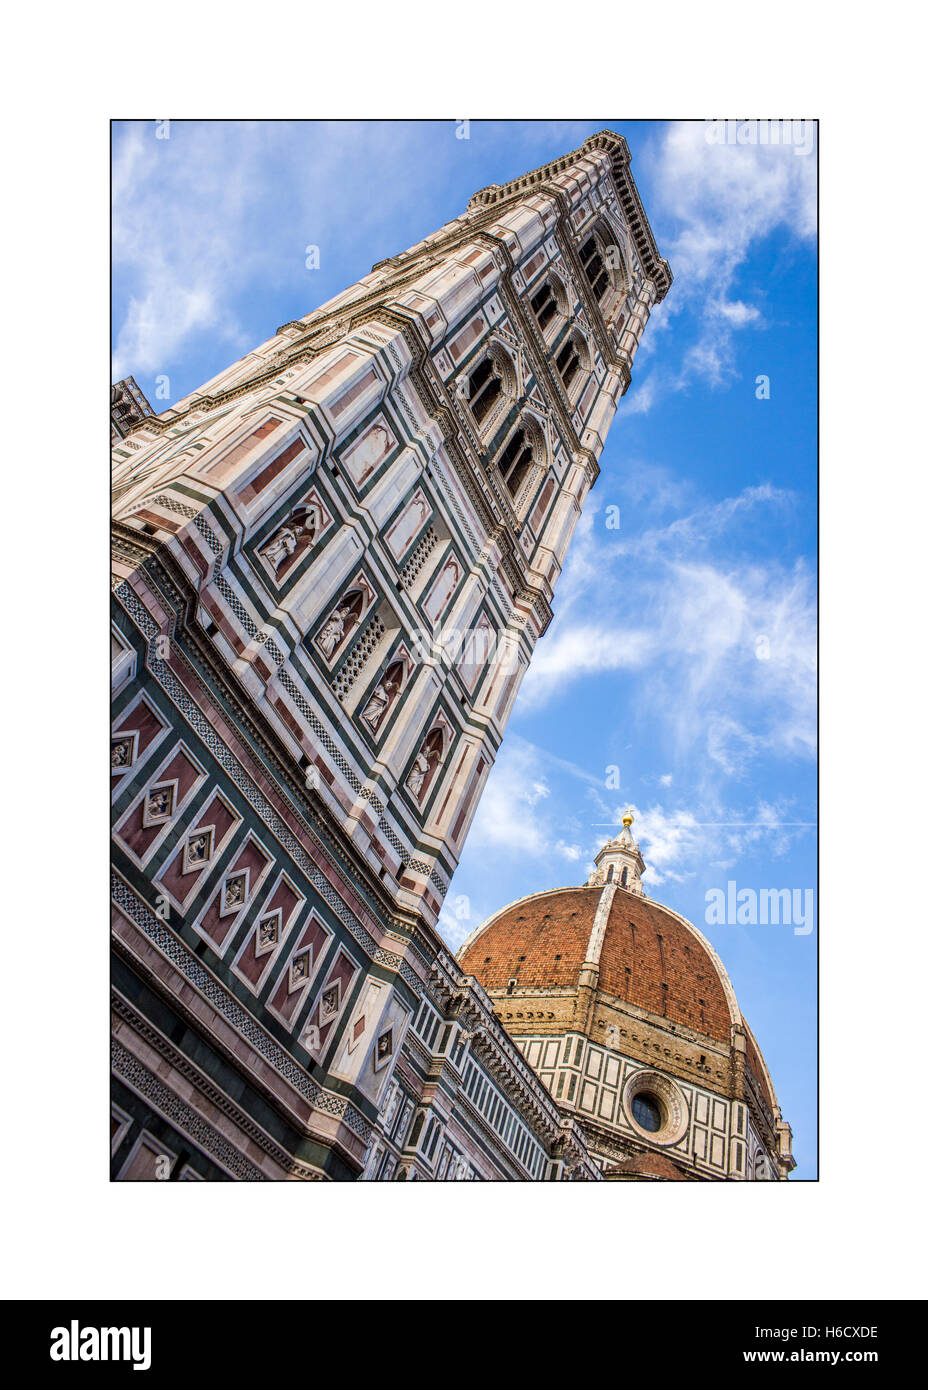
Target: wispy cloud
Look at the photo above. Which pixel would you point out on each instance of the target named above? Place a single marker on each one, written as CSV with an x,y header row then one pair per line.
x,y
679,843
726,647
720,201
521,821
517,813
220,214
178,205
526,815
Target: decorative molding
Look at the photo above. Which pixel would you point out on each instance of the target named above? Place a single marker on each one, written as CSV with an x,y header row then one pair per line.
x,y
175,950
181,1115
184,1067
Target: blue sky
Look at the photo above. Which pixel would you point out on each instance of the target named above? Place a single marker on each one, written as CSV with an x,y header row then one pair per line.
x,y
682,652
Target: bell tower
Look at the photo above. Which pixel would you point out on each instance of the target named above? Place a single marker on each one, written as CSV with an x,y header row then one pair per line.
x,y
332,564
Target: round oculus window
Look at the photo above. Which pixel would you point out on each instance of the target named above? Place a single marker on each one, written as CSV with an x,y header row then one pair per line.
x,y
648,1112
655,1107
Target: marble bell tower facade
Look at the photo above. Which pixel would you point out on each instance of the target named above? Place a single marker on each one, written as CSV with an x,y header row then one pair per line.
x,y
331,565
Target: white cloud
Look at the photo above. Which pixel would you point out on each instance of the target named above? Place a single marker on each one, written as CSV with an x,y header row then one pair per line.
x,y
720,200
641,397
517,814
669,841
221,209
156,326
677,844
726,196
583,650
510,814
738,313
725,648
178,209
730,744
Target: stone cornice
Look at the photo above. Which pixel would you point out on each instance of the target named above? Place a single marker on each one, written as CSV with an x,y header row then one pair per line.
x,y
615,146
496,1048
181,1064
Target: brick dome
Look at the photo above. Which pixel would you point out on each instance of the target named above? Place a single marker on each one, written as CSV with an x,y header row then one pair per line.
x,y
649,957
626,1013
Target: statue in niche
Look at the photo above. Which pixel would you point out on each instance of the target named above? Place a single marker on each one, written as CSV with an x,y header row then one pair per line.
x,y
290,540
417,776
383,696
339,623
427,760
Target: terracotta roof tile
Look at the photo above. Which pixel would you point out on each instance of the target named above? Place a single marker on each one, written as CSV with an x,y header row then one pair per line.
x,y
651,1165
541,941
651,959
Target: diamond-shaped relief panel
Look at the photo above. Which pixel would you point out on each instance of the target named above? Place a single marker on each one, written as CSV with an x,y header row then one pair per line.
x,y
198,849
268,933
122,751
331,999
160,801
234,892
301,967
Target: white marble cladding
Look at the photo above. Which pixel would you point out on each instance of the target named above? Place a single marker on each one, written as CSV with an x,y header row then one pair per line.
x,y
716,1137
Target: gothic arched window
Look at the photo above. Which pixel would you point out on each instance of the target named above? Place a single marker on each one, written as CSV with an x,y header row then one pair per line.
x,y
484,388
572,362
490,388
611,874
604,270
544,305
568,362
591,259
549,305
515,461
623,881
